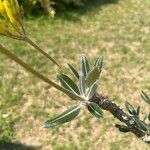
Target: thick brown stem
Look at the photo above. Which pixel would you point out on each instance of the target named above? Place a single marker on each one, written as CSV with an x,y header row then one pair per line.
x,y
118,113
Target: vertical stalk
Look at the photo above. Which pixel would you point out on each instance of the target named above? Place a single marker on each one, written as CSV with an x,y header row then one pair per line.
x,y
39,49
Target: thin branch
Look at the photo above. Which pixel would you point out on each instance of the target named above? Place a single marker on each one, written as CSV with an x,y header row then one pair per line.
x,y
40,50
36,73
16,37
22,27
118,113
28,40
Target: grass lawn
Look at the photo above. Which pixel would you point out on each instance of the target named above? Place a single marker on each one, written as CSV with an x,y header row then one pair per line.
x,y
117,29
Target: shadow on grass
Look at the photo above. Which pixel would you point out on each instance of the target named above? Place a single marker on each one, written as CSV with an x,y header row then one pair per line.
x,y
73,13
16,146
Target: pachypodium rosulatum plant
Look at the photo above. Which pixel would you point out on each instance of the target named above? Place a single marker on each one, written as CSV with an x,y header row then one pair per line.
x,y
84,90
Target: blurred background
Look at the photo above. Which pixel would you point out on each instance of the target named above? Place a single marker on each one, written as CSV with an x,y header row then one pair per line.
x,y
117,29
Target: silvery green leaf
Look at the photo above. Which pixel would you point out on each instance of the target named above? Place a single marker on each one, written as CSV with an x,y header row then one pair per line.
x,y
99,63
68,83
92,77
141,125
67,116
145,97
122,128
137,114
82,87
138,110
130,108
92,90
74,70
73,96
95,110
84,65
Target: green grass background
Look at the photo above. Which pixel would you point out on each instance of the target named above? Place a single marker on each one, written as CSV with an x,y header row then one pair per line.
x,y
117,29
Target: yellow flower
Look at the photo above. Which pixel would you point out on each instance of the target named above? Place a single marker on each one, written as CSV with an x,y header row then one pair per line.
x,y
2,9
15,8
9,11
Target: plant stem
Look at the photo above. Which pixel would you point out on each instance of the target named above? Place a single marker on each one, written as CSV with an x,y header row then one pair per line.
x,y
36,73
118,113
13,37
21,24
28,40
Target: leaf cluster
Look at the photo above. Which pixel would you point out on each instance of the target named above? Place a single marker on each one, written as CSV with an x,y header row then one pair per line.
x,y
135,113
83,90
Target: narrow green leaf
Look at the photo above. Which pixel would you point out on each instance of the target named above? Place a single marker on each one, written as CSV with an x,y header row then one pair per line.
x,y
145,97
84,65
82,87
68,83
142,125
64,117
138,111
95,110
92,77
92,90
130,108
122,128
74,71
99,63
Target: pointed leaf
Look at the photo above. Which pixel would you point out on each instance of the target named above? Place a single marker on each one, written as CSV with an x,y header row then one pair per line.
x,y
138,111
64,117
84,65
99,63
82,87
68,83
92,90
74,70
95,110
130,108
122,128
92,76
142,125
74,96
145,97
